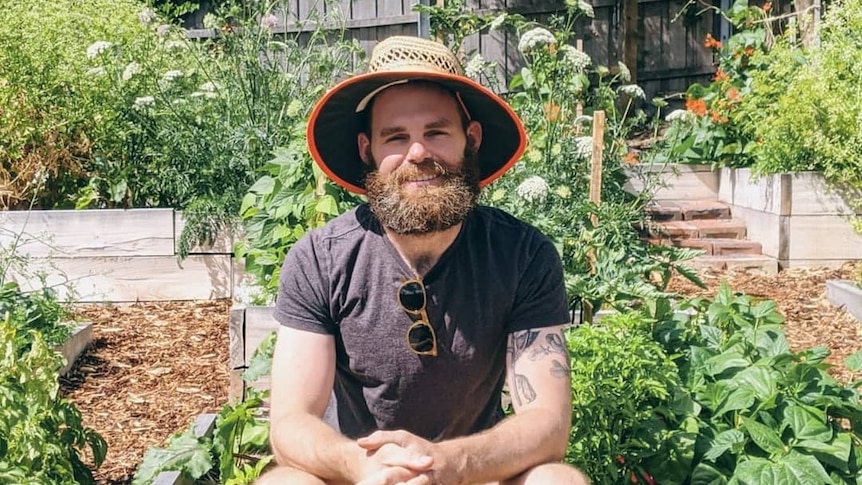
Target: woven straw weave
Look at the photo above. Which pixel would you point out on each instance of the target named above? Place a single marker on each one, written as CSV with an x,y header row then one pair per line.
x,y
400,53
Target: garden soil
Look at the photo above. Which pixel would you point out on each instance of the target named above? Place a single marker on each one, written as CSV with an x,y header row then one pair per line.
x,y
153,367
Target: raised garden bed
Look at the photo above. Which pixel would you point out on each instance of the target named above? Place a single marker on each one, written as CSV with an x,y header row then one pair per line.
x,y
845,294
75,345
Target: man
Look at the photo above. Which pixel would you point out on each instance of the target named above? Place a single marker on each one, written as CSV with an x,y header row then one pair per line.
x,y
402,319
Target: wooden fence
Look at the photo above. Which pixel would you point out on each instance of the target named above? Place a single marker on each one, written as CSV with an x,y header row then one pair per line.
x,y
664,50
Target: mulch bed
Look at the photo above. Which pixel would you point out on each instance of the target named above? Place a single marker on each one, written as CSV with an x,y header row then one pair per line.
x,y
153,367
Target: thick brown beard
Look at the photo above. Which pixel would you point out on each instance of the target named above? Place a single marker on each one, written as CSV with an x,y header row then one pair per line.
x,y
424,209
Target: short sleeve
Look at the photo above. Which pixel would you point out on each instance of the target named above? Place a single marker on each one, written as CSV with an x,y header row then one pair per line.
x,y
540,300
303,297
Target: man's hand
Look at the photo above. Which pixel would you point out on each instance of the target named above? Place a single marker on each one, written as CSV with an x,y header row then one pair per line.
x,y
396,476
441,469
389,463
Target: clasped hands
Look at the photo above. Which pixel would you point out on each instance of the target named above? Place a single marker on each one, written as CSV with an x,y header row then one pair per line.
x,y
400,457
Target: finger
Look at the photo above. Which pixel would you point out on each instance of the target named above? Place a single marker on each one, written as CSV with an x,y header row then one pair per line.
x,y
379,438
420,480
388,476
406,458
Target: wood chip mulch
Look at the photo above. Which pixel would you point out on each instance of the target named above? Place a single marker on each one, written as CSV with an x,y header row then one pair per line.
x,y
153,367
150,370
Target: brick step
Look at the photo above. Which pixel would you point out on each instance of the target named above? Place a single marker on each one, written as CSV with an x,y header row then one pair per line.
x,y
698,228
720,246
749,263
687,210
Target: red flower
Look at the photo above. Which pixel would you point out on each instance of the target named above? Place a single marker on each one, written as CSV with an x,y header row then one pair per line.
x,y
711,42
720,76
696,106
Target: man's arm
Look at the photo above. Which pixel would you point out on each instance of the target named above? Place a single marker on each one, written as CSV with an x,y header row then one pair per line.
x,y
539,382
303,373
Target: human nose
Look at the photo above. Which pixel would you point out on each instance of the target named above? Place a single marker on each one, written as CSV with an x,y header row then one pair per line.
x,y
416,153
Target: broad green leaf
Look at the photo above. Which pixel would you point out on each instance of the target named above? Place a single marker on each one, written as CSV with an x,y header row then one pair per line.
x,y
730,440
759,379
737,400
247,202
766,438
705,474
263,186
327,205
183,453
835,453
806,426
527,78
854,362
804,469
725,361
814,355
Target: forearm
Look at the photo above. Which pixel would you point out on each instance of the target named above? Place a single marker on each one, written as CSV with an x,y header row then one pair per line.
x,y
305,442
509,448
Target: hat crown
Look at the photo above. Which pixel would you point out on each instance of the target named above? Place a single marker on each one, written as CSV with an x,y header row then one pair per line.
x,y
403,53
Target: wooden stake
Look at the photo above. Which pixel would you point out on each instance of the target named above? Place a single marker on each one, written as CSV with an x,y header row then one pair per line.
x,y
595,194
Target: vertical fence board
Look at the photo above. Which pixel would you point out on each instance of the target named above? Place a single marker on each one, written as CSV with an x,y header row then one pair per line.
x,y
366,9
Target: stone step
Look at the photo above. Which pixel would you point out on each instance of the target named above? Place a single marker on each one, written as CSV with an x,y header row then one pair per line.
x,y
750,263
720,246
687,210
698,228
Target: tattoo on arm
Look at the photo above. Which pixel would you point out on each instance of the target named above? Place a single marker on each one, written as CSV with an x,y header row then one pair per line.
x,y
554,345
524,392
521,341
560,370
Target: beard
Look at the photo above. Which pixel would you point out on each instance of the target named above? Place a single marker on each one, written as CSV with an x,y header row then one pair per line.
x,y
427,209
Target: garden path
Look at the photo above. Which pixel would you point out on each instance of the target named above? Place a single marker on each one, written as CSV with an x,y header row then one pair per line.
x,y
154,366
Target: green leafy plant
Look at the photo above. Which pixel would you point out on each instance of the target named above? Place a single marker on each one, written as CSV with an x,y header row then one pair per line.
x,y
767,414
42,437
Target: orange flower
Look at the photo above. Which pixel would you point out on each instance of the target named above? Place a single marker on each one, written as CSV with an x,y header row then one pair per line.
x,y
552,48
711,42
720,76
749,51
717,118
767,6
696,106
552,111
733,94
631,158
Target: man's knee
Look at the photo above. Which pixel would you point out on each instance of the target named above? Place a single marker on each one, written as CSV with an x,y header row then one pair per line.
x,y
282,475
550,474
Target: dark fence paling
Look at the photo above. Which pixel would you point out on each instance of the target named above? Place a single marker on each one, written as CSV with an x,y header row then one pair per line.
x,y
669,46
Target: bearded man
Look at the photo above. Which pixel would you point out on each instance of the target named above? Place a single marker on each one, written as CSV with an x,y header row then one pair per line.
x,y
402,319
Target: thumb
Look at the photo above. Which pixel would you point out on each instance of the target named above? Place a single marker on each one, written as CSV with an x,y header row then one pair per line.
x,y
377,439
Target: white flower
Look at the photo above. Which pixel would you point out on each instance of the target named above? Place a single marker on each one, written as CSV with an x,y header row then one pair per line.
x,y
497,22
586,8
475,66
175,44
97,71
163,30
131,70
563,192
633,91
269,22
535,38
247,293
144,101
147,16
579,60
533,189
171,75
583,120
679,115
625,73
208,87
97,48
584,146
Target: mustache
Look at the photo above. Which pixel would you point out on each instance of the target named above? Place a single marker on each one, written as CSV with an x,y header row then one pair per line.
x,y
411,171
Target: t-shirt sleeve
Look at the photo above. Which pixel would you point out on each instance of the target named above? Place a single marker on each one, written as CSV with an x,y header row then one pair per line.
x,y
303,296
540,300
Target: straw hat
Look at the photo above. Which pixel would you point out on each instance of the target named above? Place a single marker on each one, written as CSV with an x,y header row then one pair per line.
x,y
336,119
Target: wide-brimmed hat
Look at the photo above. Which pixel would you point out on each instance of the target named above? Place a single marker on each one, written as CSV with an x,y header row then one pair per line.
x,y
337,117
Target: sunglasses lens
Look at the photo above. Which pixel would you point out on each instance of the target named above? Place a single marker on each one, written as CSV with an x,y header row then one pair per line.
x,y
412,296
420,337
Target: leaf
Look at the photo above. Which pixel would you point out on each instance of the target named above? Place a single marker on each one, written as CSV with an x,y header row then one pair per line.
x,y
804,469
760,380
184,453
726,361
327,205
730,440
739,399
705,474
763,436
854,362
263,186
806,426
835,453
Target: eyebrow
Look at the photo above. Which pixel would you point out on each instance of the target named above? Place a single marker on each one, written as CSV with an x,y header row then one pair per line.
x,y
391,130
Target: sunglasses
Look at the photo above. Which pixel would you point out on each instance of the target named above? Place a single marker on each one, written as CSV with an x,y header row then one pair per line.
x,y
421,338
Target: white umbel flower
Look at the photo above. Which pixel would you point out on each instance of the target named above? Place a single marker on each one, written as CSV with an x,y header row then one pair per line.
x,y
131,70
625,73
208,87
679,115
578,60
498,22
584,146
269,22
633,91
147,16
175,44
534,39
97,48
144,101
97,72
171,75
533,189
474,67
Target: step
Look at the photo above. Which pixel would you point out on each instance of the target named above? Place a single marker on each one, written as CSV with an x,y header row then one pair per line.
x,y
699,228
721,246
749,263
687,210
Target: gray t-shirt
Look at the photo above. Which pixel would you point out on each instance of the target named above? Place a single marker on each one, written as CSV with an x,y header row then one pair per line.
x,y
500,275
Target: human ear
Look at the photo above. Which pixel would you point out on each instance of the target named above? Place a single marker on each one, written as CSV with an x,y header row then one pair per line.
x,y
474,134
363,143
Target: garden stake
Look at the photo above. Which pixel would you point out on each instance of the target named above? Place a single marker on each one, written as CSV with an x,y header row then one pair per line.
x,y
595,192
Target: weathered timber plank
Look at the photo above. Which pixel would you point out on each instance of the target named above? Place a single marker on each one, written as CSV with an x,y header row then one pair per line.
x,y
367,9
128,279
106,232
236,338
259,323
